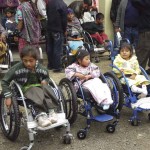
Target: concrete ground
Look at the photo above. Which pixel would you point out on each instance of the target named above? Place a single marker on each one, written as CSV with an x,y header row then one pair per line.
x,y
126,137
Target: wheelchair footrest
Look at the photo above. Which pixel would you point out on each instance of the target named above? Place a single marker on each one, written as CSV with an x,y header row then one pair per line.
x,y
103,118
143,103
3,66
61,121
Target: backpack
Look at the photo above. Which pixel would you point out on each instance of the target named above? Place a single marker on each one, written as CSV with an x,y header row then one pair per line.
x,y
9,3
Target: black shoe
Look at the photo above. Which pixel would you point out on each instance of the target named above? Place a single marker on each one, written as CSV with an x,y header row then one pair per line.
x,y
50,68
148,71
58,70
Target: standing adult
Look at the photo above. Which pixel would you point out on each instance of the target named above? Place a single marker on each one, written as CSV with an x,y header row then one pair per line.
x,y
127,21
28,25
113,10
56,27
143,48
113,15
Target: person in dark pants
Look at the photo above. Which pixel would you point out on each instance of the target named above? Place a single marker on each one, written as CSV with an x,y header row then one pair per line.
x,y
56,28
143,47
113,15
127,21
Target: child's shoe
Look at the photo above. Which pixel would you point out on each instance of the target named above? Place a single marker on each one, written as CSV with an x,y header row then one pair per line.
x,y
43,120
53,116
106,107
144,92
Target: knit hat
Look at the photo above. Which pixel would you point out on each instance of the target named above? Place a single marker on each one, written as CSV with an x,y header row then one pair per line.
x,y
69,10
81,53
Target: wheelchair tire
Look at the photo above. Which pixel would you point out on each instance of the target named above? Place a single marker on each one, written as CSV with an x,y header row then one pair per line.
x,y
70,99
119,104
10,121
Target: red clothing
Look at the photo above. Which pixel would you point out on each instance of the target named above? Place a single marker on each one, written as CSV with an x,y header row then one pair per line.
x,y
100,37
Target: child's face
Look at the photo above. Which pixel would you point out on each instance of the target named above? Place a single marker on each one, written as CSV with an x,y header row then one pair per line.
x,y
100,21
29,62
8,14
125,53
70,16
85,61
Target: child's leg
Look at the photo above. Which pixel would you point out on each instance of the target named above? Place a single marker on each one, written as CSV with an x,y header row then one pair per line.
x,y
136,89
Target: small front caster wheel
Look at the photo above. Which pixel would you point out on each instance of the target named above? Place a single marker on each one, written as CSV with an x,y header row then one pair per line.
x,y
82,134
134,122
110,128
67,139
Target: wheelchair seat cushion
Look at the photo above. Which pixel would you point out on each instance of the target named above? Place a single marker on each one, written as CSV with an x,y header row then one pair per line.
x,y
143,103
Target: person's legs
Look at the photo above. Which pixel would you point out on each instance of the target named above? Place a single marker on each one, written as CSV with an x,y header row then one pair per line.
x,y
57,51
135,37
49,49
97,37
143,48
127,33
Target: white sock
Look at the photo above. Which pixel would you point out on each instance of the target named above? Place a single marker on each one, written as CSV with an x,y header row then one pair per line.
x,y
136,89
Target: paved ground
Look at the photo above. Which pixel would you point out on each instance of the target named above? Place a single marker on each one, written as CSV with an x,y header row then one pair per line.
x,y
126,137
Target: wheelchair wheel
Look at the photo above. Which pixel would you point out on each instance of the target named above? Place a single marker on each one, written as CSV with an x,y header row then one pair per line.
x,y
116,90
10,119
8,59
70,99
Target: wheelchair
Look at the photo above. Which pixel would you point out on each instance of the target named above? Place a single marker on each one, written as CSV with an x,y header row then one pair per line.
x,y
13,119
68,56
132,101
97,49
82,102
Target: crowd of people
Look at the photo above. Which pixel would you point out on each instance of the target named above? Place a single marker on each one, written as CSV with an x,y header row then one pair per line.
x,y
132,19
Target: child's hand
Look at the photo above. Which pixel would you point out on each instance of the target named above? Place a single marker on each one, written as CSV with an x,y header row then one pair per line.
x,y
87,77
80,76
122,70
8,102
133,76
44,82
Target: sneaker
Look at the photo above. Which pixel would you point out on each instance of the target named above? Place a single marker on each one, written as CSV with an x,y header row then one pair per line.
x,y
53,117
43,120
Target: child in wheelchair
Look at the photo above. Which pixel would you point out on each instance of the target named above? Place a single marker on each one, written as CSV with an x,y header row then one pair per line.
x,y
88,74
74,30
33,79
127,62
96,30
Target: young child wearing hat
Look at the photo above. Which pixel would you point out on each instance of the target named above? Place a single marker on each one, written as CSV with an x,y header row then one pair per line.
x,y
89,74
74,28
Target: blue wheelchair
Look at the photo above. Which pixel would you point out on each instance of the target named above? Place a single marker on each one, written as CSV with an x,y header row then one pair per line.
x,y
22,114
82,102
132,101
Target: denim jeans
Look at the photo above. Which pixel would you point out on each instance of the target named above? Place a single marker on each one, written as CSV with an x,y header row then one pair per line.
x,y
54,49
143,48
131,33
